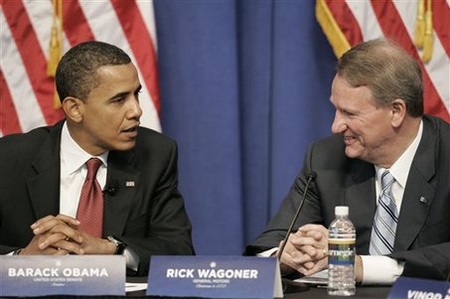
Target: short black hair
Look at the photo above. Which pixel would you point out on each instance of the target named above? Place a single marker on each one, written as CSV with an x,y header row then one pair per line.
x,y
76,72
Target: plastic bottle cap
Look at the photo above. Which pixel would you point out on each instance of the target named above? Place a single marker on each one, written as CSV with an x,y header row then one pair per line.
x,y
341,211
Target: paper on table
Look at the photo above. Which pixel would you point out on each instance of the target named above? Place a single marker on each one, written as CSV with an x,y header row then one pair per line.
x,y
133,287
317,278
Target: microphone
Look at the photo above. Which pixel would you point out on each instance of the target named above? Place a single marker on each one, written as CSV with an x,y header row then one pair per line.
x,y
110,190
311,177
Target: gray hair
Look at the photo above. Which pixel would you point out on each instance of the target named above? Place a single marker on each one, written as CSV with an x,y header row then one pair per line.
x,y
387,70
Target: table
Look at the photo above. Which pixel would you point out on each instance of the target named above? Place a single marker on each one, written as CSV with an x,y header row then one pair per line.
x,y
296,290
317,292
291,291
303,291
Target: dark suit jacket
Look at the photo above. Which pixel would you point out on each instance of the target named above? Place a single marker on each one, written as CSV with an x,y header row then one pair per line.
x,y
423,231
149,217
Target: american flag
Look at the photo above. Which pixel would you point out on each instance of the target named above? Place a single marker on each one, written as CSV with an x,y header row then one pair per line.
x,y
420,26
27,91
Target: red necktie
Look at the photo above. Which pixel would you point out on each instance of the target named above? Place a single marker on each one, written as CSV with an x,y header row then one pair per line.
x,y
90,207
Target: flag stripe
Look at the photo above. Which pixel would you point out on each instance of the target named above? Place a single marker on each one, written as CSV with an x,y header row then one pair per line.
x,y
147,10
140,43
366,21
346,21
441,11
392,26
37,19
31,54
12,69
8,116
76,26
437,69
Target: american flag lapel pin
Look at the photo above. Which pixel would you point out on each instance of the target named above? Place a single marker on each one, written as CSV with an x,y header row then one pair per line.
x,y
129,184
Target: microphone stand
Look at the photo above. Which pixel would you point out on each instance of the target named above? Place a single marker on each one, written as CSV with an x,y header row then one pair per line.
x,y
290,286
311,178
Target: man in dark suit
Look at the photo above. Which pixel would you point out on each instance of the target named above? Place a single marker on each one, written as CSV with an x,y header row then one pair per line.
x,y
42,172
379,125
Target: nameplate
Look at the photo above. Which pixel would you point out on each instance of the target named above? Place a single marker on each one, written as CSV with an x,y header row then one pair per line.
x,y
415,288
214,277
40,275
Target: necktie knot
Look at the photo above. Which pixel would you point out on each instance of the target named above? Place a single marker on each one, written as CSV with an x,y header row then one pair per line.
x,y
386,182
93,164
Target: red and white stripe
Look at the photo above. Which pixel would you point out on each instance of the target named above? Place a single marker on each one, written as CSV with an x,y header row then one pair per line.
x,y
353,21
27,93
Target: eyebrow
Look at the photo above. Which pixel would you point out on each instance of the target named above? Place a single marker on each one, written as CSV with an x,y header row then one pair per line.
x,y
122,94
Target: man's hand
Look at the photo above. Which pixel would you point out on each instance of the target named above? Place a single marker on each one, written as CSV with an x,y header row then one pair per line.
x,y
358,269
60,235
306,250
56,235
94,245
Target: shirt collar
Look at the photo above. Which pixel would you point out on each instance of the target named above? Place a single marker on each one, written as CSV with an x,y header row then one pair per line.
x,y
400,169
72,155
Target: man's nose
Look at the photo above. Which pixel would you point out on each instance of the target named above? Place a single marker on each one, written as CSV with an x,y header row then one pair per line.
x,y
135,110
338,125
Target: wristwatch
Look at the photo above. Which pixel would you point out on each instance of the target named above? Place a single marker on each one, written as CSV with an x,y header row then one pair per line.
x,y
120,246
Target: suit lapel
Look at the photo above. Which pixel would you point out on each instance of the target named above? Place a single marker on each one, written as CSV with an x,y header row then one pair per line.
x,y
360,195
44,186
125,179
419,193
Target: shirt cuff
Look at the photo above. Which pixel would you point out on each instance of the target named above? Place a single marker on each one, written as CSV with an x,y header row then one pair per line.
x,y
382,270
132,259
267,253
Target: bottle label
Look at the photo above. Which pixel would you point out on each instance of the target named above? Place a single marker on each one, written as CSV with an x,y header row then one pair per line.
x,y
341,251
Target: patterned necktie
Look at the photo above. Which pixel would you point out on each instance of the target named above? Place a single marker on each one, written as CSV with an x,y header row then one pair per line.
x,y
386,218
90,207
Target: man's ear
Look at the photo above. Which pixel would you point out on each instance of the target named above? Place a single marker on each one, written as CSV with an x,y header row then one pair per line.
x,y
73,109
398,111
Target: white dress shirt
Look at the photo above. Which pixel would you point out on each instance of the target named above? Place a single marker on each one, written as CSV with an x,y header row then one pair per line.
x,y
74,171
383,269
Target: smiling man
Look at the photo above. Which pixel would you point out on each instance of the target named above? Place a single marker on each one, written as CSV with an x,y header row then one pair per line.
x,y
379,126
135,208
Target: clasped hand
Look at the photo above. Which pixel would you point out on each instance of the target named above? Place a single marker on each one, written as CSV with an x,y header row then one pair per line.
x,y
60,235
306,250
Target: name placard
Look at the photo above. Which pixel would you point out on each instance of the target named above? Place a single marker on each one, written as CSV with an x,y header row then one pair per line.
x,y
214,277
415,288
40,275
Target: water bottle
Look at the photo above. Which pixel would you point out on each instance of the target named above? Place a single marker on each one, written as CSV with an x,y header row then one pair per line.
x,y
341,254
